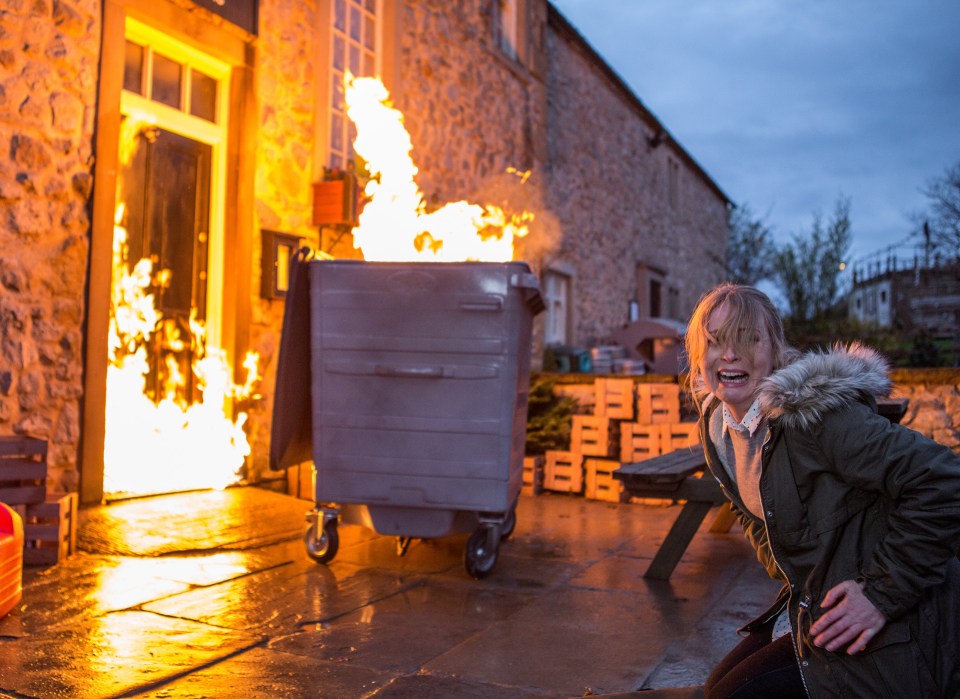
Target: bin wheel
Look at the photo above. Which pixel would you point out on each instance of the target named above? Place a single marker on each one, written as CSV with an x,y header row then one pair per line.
x,y
322,550
480,557
509,524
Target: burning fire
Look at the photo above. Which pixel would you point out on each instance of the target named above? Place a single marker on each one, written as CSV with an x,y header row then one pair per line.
x,y
168,445
395,224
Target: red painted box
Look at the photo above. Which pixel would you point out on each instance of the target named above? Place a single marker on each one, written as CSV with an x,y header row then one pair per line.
x,y
11,559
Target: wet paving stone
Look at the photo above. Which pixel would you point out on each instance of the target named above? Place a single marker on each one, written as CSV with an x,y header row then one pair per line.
x,y
107,655
405,630
195,521
426,685
213,594
262,673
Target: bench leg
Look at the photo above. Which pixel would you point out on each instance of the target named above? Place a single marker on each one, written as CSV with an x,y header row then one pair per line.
x,y
724,520
677,540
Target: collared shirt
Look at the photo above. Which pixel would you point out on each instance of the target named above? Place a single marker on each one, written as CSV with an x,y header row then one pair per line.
x,y
751,421
740,446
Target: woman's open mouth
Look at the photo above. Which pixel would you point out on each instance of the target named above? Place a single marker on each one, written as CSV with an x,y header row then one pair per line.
x,y
732,377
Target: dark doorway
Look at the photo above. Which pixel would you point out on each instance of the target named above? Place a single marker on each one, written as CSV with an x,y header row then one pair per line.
x,y
166,192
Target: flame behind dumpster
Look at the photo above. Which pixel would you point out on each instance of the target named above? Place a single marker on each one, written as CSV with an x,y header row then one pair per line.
x,y
395,224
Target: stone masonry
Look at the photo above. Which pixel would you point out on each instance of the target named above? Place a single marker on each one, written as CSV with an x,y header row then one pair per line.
x,y
48,83
608,176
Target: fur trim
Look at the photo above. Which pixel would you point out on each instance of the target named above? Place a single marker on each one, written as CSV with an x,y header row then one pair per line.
x,y
802,392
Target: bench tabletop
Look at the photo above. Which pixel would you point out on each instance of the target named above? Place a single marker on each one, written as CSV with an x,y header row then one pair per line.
x,y
672,467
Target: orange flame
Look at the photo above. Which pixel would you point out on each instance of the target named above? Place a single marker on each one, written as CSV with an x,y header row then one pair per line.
x,y
166,446
395,224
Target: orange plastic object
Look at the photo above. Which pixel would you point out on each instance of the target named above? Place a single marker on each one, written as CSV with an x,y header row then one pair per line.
x,y
11,559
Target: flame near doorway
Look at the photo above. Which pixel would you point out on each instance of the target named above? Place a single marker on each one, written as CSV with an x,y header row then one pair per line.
x,y
177,434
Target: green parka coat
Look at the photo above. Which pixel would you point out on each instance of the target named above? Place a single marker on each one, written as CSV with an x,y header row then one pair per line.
x,y
847,495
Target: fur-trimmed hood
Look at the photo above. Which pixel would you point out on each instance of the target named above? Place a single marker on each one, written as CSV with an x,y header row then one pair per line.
x,y
802,392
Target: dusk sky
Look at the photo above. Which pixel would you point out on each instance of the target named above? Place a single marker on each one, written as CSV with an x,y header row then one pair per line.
x,y
789,104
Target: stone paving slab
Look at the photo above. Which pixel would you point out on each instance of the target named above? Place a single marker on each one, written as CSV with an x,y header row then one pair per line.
x,y
263,673
194,521
160,602
104,656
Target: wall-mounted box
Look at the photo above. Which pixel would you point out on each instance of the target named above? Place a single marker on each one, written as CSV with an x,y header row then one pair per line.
x,y
336,202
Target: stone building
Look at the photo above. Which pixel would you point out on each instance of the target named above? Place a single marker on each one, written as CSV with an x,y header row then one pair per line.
x,y
212,122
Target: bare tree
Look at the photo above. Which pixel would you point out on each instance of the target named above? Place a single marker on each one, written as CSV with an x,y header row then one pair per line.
x,y
944,223
750,248
808,268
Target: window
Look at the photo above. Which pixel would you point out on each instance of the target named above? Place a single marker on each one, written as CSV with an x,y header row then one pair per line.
x,y
673,183
557,288
506,25
656,298
181,93
651,292
170,81
353,43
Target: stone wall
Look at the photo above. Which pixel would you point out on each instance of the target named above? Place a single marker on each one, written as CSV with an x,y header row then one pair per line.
x,y
472,112
608,188
48,86
934,409
286,68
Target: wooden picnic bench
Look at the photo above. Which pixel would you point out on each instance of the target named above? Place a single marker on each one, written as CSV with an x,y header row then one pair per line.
x,y
678,475
682,475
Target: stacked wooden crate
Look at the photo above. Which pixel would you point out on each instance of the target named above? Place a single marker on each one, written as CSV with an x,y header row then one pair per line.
x,y
628,422
49,519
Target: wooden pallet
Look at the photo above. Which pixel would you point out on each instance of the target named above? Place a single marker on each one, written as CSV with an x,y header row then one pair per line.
x,y
658,403
50,530
679,435
639,442
595,436
614,398
600,483
23,471
532,475
563,472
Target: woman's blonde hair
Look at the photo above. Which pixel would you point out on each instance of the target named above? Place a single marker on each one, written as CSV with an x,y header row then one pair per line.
x,y
748,310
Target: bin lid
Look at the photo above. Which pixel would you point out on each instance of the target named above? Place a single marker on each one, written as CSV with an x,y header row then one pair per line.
x,y
291,431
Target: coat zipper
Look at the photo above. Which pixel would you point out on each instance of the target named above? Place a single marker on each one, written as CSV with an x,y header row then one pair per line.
x,y
804,604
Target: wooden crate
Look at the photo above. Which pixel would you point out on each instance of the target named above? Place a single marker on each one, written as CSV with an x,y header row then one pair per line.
x,y
600,483
532,475
614,398
658,403
563,472
50,530
639,442
680,435
595,436
23,471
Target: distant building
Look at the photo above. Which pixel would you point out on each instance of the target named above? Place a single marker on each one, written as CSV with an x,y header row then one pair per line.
x,y
921,296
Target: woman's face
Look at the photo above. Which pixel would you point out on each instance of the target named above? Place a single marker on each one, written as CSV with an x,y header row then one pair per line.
x,y
733,376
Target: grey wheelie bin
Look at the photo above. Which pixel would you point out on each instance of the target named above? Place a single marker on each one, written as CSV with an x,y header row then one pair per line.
x,y
419,377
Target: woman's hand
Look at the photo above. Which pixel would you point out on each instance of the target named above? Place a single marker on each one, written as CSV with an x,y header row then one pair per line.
x,y
850,620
